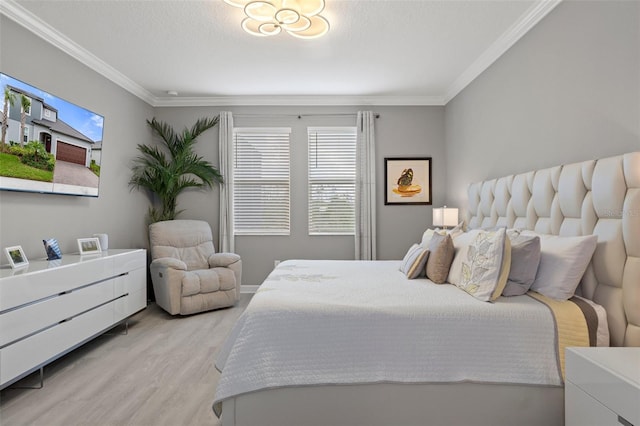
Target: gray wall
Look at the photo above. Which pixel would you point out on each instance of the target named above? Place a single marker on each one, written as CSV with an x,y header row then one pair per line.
x,y
25,218
400,131
568,91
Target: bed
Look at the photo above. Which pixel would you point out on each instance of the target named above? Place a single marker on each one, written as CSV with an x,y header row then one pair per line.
x,y
348,342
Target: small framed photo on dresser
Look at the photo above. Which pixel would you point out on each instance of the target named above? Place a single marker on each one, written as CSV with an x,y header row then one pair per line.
x,y
52,248
88,246
16,256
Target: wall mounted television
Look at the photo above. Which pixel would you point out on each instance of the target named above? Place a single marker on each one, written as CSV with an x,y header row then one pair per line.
x,y
47,145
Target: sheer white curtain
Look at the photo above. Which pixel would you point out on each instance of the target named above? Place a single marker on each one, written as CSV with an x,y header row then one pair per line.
x,y
225,146
366,187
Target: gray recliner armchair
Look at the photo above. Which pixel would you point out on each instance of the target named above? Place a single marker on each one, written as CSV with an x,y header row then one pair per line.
x,y
188,275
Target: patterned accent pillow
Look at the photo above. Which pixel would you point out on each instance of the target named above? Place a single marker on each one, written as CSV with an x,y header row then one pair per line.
x,y
414,261
461,245
440,257
486,268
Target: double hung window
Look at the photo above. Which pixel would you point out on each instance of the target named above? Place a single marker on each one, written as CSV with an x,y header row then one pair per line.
x,y
332,180
261,179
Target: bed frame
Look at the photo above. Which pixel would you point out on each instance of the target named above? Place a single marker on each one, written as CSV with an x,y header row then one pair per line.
x,y
600,197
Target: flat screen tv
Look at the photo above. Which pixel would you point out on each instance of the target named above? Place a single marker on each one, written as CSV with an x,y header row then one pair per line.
x,y
47,145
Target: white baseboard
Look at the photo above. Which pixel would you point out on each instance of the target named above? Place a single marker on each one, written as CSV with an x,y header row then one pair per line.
x,y
249,288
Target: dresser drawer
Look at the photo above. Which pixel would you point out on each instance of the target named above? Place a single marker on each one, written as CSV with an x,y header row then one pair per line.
x,y
134,285
32,318
582,410
28,354
608,376
130,261
20,289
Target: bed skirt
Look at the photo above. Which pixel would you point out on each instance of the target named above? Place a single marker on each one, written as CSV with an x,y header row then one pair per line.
x,y
443,404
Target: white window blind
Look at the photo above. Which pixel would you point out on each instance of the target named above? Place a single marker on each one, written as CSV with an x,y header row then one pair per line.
x,y
261,181
332,180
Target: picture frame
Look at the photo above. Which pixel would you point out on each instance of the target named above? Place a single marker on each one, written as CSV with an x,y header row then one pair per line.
x,y
52,248
407,180
16,256
89,246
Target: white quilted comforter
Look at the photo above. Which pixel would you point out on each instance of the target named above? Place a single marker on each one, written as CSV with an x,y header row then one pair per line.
x,y
315,322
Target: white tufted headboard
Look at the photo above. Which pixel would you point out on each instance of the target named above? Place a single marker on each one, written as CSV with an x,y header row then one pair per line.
x,y
600,197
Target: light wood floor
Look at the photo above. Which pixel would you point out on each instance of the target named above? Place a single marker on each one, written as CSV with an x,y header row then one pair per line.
x,y
161,373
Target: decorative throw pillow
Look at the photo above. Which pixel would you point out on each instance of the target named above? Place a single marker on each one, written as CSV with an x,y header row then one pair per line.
x,y
426,237
563,261
440,257
486,268
454,232
461,245
525,258
414,261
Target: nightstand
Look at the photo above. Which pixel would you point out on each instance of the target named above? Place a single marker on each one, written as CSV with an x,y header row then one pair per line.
x,y
602,387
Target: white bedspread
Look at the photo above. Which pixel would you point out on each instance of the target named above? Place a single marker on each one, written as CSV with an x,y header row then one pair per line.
x,y
318,322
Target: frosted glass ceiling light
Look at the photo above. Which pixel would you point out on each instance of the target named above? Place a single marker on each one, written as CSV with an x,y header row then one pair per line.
x,y
300,18
260,11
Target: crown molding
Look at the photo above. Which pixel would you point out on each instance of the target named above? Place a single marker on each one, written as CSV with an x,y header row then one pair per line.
x,y
528,20
320,100
32,23
42,29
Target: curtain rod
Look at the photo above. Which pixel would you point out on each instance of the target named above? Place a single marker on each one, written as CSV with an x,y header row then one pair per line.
x,y
299,116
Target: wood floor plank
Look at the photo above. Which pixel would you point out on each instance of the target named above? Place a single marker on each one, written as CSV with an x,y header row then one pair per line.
x,y
161,373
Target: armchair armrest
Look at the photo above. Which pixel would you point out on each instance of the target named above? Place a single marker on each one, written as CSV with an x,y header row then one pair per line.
x,y
169,262
166,276
223,260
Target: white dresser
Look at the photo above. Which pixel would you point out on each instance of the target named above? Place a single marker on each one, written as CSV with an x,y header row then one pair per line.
x,y
51,307
602,387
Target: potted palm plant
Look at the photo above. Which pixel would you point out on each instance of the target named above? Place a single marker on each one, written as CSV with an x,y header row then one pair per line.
x,y
168,169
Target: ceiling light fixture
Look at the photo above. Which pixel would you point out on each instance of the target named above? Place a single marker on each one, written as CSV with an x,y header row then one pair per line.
x,y
300,18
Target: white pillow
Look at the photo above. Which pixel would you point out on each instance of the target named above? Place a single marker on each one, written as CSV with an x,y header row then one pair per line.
x,y
457,230
426,237
454,232
486,266
414,261
563,261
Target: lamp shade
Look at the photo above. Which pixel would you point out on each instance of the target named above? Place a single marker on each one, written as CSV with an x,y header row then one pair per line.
x,y
445,216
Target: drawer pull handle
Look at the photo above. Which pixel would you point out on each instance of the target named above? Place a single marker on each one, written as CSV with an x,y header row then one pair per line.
x,y
624,421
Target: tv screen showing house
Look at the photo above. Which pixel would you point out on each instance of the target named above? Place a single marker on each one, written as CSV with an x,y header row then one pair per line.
x,y
47,145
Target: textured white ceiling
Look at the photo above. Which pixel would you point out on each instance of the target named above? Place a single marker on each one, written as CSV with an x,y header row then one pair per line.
x,y
402,51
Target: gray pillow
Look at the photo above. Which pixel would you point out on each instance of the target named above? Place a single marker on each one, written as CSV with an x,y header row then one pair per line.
x,y
525,258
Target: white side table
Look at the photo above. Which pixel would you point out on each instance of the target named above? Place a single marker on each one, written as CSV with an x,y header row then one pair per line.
x,y
602,387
